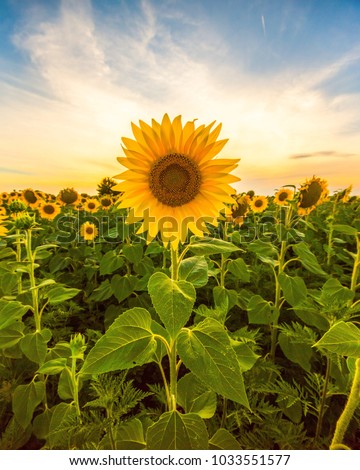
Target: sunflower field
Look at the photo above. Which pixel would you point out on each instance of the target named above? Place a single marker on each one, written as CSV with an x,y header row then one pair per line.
x,y
215,321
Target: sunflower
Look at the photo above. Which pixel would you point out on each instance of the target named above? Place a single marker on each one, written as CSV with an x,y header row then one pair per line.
x,y
344,195
49,210
2,211
17,206
312,193
3,229
4,197
30,197
259,203
91,205
68,196
283,196
106,202
88,231
239,210
173,183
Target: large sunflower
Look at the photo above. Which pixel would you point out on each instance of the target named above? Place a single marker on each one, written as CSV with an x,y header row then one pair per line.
x,y
31,197
172,182
312,193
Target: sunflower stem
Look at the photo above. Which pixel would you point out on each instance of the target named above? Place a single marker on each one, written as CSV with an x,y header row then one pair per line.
x,y
34,291
350,407
18,259
174,263
323,399
173,375
331,233
356,268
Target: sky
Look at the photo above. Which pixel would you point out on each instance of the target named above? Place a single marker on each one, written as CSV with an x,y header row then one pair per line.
x,y
282,76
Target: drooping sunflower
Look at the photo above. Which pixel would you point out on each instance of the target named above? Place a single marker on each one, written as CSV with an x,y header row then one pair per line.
x,y
68,196
283,196
237,212
88,231
91,205
49,210
312,193
30,197
344,195
259,203
172,182
3,229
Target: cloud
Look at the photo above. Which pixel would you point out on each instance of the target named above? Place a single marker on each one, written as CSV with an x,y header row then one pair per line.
x,y
89,75
324,153
14,171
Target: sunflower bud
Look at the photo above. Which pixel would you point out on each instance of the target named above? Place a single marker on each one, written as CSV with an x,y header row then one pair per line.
x,y
77,346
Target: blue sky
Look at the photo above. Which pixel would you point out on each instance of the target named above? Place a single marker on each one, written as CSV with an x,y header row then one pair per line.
x,y
283,76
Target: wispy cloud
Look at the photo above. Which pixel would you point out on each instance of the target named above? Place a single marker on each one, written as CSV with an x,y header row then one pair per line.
x,y
14,171
324,153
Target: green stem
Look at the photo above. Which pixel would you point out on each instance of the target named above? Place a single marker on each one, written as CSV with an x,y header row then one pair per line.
x,y
75,381
323,399
356,268
350,407
174,263
277,302
34,291
331,233
173,376
167,391
224,413
18,259
222,271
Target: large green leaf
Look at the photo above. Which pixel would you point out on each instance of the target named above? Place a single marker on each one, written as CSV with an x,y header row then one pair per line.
x,y
128,342
11,335
194,270
207,352
211,246
133,253
223,440
10,312
176,431
260,311
123,286
265,251
294,289
347,229
130,436
299,353
308,259
173,301
110,262
334,295
25,399
60,414
59,294
194,397
238,268
342,338
34,345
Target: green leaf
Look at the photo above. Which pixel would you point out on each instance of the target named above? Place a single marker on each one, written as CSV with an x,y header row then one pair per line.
x,y
41,424
245,355
34,346
347,229
60,413
103,292
133,253
172,300
53,367
25,400
225,299
299,353
207,352
128,342
211,246
123,286
311,315
260,311
264,250
110,262
308,259
175,431
223,440
66,386
342,338
11,335
130,436
294,289
334,295
59,294
238,268
194,397
194,270
10,312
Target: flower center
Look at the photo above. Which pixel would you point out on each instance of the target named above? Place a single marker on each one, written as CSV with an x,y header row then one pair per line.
x,y
30,197
283,196
259,203
89,230
106,202
175,179
49,209
69,196
310,195
91,205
